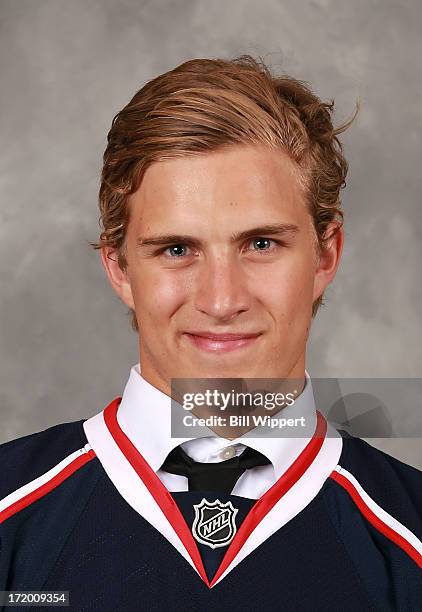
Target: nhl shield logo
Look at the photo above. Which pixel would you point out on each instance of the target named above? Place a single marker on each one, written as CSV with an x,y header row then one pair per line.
x,y
214,523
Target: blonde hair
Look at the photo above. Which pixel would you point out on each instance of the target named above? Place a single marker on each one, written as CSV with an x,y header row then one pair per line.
x,y
203,105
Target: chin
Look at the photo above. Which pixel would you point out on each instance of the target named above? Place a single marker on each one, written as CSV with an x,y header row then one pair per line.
x,y
230,371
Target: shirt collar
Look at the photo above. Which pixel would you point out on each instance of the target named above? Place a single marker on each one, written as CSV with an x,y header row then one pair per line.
x,y
144,415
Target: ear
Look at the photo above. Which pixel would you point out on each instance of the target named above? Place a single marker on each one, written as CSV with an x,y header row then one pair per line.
x,y
329,258
118,278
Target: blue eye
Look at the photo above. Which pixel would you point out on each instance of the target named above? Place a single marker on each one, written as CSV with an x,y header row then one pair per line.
x,y
263,242
178,248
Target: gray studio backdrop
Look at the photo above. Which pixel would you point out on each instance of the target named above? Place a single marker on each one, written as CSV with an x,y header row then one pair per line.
x,y
67,67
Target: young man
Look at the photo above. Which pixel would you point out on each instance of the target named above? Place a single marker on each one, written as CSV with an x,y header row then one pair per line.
x,y
222,228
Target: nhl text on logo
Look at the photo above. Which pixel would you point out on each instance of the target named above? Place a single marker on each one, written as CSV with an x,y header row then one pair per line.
x,y
214,523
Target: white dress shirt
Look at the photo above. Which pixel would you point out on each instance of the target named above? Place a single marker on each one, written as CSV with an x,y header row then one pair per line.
x,y
145,416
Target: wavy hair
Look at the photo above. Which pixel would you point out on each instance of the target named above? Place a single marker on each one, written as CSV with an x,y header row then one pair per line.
x,y
203,105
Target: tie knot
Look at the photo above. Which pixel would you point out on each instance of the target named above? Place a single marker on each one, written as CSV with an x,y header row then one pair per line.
x,y
212,476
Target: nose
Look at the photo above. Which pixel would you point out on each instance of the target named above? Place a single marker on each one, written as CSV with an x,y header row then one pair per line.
x,y
222,291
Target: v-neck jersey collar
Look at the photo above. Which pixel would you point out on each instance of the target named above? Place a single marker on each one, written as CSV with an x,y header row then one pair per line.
x,y
136,480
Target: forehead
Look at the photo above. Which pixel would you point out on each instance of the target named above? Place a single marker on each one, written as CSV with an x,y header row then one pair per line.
x,y
239,184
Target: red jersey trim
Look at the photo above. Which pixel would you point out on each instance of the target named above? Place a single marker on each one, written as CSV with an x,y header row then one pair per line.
x,y
47,486
375,520
171,511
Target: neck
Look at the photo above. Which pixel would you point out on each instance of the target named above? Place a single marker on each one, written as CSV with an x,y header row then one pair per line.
x,y
237,420
290,386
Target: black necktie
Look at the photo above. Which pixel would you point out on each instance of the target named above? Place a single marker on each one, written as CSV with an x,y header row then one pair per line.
x,y
221,476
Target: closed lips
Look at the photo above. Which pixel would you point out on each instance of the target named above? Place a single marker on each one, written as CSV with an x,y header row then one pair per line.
x,y
223,337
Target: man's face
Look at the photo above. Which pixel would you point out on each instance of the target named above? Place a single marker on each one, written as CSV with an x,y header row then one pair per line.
x,y
210,277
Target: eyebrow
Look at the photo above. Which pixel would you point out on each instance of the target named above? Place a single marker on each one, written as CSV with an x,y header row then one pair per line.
x,y
269,230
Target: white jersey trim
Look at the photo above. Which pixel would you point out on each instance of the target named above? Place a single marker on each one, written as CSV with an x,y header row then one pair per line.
x,y
35,484
382,514
137,495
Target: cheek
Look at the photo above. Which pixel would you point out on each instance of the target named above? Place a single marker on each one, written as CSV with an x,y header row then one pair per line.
x,y
157,296
288,288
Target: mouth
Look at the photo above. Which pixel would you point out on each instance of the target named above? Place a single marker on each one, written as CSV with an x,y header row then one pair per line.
x,y
220,343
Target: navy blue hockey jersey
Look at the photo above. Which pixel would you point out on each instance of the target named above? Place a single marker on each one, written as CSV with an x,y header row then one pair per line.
x,y
82,511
